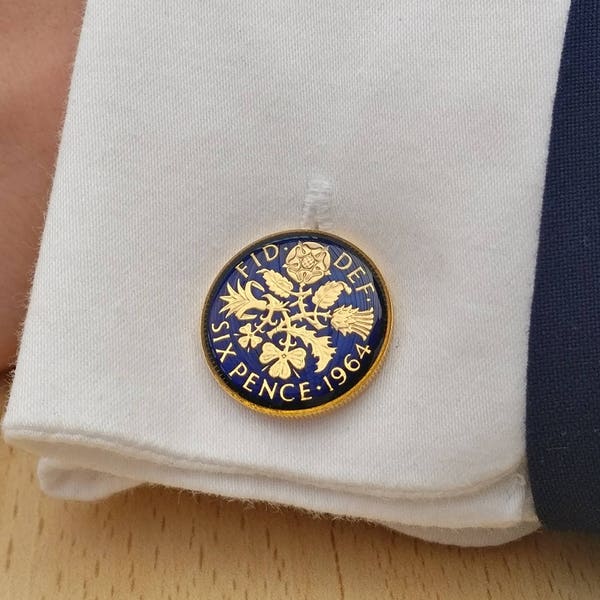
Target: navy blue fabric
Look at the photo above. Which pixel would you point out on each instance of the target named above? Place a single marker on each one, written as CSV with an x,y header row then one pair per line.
x,y
563,387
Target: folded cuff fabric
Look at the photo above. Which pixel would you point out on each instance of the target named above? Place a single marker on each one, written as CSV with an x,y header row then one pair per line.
x,y
193,129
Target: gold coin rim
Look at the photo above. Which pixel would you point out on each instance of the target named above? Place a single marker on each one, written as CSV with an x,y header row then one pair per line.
x,y
332,404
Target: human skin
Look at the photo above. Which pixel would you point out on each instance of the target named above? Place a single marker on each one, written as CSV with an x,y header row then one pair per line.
x,y
38,40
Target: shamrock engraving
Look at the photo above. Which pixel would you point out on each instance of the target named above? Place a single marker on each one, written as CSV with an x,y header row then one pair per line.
x,y
283,361
248,339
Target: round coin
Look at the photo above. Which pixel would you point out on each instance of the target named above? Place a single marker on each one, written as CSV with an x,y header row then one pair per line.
x,y
296,323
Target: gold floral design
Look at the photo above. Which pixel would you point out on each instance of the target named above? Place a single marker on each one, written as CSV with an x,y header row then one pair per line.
x,y
307,262
248,339
347,319
285,319
282,360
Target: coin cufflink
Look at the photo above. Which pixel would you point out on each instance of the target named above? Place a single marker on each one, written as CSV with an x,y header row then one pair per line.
x,y
296,323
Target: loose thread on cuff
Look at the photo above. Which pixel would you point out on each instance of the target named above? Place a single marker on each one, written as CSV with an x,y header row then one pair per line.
x,y
316,213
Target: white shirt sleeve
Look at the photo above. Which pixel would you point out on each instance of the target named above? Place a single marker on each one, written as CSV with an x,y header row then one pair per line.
x,y
192,129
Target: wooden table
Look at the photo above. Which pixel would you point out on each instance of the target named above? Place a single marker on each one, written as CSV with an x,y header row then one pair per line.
x,y
154,543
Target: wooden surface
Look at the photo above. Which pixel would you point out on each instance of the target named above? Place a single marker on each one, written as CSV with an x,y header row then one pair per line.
x,y
156,543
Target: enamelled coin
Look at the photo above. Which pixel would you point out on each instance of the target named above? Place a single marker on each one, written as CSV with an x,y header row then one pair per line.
x,y
296,323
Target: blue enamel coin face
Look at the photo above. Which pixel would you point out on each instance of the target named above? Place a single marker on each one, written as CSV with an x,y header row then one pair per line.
x,y
296,323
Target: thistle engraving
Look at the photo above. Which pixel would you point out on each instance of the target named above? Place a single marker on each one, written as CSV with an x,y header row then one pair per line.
x,y
292,307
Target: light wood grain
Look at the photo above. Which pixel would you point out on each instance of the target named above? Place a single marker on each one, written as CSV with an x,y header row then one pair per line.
x,y
156,543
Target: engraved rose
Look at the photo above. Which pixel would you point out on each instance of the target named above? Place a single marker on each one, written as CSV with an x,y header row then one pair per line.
x,y
307,262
